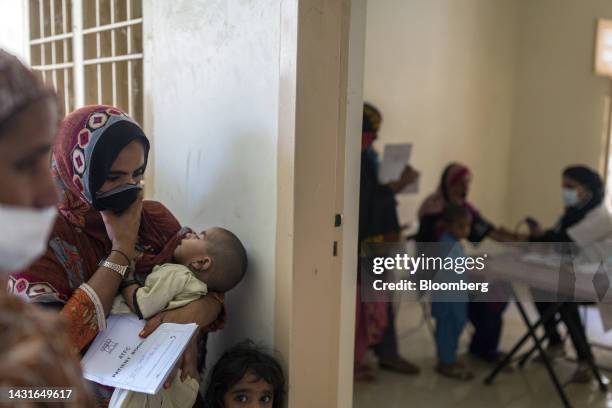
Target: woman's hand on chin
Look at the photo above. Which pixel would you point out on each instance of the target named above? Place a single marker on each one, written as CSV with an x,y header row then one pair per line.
x,y
122,229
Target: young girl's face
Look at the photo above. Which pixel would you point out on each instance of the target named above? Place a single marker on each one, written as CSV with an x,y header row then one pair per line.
x,y
249,392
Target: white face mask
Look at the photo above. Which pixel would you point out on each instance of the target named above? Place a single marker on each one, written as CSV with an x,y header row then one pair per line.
x,y
24,234
570,197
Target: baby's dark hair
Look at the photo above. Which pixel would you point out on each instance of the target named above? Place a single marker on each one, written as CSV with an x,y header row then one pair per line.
x,y
230,261
454,212
242,359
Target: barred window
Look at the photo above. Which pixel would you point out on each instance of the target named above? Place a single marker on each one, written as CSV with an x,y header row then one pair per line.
x,y
90,51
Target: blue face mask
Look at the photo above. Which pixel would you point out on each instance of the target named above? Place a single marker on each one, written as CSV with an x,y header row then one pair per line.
x,y
570,197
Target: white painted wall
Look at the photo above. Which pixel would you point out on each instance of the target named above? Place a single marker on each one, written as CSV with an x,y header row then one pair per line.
x,y
212,110
443,74
505,86
13,28
560,106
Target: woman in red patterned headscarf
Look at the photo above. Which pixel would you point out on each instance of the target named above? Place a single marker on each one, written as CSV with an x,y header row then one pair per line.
x,y
99,160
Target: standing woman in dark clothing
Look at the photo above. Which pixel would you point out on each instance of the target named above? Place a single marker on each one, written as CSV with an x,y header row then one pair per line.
x,y
583,192
378,222
453,188
377,206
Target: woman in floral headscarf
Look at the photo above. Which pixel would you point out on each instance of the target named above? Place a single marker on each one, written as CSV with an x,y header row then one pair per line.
x,y
99,160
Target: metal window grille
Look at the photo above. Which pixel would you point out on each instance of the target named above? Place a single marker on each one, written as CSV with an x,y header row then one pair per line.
x,y
90,50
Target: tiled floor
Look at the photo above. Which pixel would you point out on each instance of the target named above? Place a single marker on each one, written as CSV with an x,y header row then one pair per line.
x,y
530,387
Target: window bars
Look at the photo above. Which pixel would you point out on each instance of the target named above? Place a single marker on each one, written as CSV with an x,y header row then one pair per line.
x,y
90,50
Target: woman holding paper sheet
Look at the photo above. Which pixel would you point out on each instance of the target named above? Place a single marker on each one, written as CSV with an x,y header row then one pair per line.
x,y
34,348
103,228
378,222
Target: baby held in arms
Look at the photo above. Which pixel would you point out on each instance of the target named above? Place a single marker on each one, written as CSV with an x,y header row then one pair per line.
x,y
214,260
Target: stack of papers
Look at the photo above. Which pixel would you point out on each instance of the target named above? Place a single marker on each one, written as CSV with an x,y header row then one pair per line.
x,y
119,357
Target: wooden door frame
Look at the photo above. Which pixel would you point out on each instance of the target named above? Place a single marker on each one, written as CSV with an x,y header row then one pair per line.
x,y
320,102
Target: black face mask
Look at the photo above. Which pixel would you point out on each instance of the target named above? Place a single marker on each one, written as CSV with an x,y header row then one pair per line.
x,y
118,199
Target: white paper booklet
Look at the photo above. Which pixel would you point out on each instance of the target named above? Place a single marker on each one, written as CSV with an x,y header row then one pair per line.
x,y
118,357
395,159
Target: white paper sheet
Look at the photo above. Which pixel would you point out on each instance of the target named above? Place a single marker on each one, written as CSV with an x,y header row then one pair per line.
x,y
118,357
118,398
395,159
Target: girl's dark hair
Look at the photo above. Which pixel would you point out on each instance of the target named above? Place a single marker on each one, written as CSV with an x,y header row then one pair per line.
x,y
244,358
